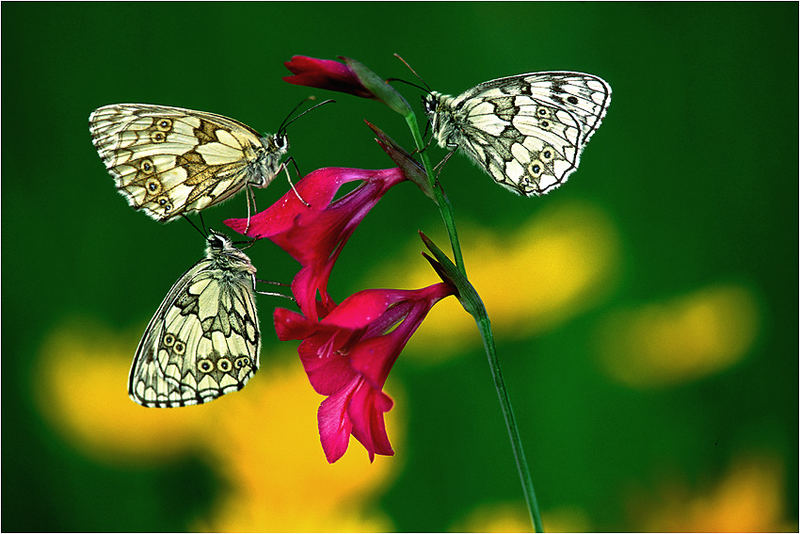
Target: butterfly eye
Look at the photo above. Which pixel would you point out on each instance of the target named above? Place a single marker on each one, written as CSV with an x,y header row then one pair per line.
x,y
281,141
205,366
224,365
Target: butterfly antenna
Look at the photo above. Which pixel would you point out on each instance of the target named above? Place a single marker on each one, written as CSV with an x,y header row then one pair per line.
x,y
283,124
408,83
398,56
202,232
287,122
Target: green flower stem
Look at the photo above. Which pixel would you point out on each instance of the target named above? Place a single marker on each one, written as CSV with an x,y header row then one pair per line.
x,y
445,208
485,328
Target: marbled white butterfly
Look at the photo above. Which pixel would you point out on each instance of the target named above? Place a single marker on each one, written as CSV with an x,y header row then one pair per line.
x,y
204,341
526,131
170,161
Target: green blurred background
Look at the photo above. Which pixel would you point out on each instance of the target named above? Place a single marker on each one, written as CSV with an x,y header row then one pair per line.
x,y
660,396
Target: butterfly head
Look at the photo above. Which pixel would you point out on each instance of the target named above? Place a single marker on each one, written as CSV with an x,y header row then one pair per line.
x,y
221,250
278,143
430,103
281,141
437,108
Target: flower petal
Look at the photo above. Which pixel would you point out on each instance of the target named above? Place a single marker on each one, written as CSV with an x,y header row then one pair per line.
x,y
366,409
334,423
325,74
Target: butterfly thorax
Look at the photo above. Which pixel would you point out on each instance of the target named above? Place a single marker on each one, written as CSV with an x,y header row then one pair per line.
x,y
440,112
266,161
224,256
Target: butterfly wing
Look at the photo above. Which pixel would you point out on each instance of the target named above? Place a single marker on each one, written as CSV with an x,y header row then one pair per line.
x,y
528,131
169,161
202,343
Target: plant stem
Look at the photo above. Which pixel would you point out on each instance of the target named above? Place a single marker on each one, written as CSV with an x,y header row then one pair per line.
x,y
445,208
485,328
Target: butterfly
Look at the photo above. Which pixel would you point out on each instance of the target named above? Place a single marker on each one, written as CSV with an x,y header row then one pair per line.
x,y
204,340
170,161
526,131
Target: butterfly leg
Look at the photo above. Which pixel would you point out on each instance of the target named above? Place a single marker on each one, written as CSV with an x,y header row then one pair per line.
x,y
271,293
427,144
251,198
289,177
438,167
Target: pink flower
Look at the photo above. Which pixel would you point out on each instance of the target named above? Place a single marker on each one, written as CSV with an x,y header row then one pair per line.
x,y
347,356
349,77
325,74
314,235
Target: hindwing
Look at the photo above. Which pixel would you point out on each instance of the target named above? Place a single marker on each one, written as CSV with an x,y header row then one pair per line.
x,y
202,343
168,161
528,131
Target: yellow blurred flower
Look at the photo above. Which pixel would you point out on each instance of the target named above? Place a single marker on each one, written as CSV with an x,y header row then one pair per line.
x,y
554,266
749,498
262,441
508,517
680,339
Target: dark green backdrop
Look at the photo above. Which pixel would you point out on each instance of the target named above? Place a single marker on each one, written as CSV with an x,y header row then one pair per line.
x,y
696,165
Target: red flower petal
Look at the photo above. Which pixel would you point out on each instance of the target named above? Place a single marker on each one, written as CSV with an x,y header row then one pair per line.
x,y
314,235
366,410
334,424
325,74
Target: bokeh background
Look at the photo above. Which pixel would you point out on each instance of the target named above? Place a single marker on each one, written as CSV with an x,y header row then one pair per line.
x,y
645,314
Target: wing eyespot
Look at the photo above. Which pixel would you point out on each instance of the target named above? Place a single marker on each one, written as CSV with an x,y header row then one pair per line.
x,y
153,186
535,168
164,202
146,166
164,125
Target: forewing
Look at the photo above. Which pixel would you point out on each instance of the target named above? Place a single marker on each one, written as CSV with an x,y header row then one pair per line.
x,y
203,342
528,131
169,161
